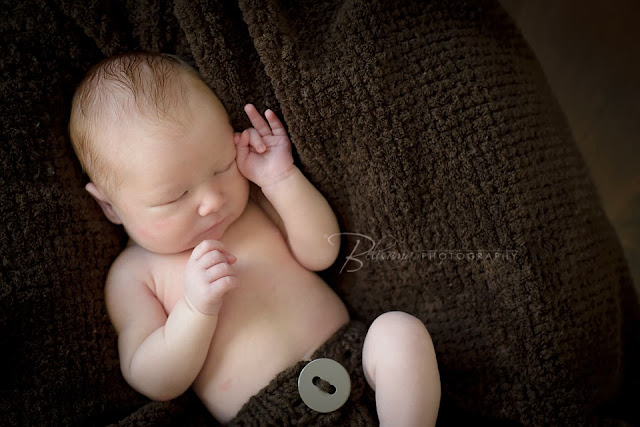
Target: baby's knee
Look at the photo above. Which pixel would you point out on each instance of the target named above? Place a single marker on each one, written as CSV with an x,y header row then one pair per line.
x,y
396,336
399,328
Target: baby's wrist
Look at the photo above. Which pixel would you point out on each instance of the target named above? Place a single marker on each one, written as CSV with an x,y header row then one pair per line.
x,y
279,179
213,311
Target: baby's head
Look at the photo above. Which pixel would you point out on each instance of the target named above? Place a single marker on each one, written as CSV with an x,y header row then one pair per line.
x,y
158,147
140,88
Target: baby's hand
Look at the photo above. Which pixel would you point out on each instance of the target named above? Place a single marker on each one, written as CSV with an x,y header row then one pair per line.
x,y
263,151
209,274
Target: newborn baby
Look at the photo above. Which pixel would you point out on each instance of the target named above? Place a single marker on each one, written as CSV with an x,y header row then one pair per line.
x,y
216,289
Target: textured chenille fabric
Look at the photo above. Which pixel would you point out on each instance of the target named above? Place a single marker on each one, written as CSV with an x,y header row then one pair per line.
x,y
430,129
280,403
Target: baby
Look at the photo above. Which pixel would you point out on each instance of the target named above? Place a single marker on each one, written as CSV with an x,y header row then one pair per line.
x,y
216,289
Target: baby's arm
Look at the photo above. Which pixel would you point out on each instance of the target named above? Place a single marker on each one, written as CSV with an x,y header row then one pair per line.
x,y
308,220
264,156
161,356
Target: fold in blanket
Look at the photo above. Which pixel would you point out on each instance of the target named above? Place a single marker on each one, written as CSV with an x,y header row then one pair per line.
x,y
430,129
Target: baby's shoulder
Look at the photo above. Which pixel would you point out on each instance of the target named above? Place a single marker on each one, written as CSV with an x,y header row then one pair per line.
x,y
134,262
130,290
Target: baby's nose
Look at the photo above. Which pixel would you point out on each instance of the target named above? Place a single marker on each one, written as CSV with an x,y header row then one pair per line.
x,y
212,200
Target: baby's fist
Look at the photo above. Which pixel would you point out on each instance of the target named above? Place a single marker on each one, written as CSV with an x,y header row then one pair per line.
x,y
209,274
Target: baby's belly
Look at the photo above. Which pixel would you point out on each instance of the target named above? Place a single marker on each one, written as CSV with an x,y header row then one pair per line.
x,y
264,327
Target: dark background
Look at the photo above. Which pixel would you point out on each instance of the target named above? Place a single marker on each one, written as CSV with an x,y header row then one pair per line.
x,y
590,53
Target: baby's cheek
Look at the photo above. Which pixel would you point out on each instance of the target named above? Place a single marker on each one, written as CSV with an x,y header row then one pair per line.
x,y
164,225
163,234
155,230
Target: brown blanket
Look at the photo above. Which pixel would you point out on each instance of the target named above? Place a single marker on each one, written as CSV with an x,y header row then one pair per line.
x,y
429,127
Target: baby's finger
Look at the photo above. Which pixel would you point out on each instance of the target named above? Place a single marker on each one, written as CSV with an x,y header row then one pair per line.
x,y
256,140
219,271
242,148
206,246
244,139
223,285
257,121
236,138
212,258
276,125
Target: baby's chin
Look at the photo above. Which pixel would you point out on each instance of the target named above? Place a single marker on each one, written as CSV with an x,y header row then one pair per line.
x,y
216,233
211,235
174,247
161,249
166,248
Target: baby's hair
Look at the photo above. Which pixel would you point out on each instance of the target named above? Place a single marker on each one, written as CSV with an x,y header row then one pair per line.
x,y
130,85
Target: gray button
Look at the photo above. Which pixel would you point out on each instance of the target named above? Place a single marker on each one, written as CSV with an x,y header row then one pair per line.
x,y
330,371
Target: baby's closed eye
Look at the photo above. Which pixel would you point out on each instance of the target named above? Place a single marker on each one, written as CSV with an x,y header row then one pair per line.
x,y
174,199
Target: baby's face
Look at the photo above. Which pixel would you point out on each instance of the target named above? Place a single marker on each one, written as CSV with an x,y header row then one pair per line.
x,y
179,187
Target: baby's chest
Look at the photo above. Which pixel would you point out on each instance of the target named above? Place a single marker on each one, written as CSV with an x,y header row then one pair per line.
x,y
263,261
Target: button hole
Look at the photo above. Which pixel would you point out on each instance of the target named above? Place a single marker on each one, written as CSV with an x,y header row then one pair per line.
x,y
323,385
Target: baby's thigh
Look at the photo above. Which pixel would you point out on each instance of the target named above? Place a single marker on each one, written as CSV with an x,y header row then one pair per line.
x,y
395,340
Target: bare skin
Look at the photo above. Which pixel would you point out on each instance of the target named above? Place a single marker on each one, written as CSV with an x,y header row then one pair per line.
x,y
217,291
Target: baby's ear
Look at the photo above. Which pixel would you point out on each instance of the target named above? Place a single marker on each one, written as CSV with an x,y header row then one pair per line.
x,y
104,203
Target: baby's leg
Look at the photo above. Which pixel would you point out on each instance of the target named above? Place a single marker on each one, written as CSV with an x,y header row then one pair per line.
x,y
400,365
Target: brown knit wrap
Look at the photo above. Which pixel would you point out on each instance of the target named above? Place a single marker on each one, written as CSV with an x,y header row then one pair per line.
x,y
427,124
280,404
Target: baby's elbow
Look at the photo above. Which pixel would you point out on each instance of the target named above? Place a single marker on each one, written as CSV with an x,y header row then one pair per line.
x,y
157,388
160,394
320,260
163,397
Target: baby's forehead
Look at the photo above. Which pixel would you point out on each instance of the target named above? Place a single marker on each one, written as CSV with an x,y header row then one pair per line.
x,y
160,108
